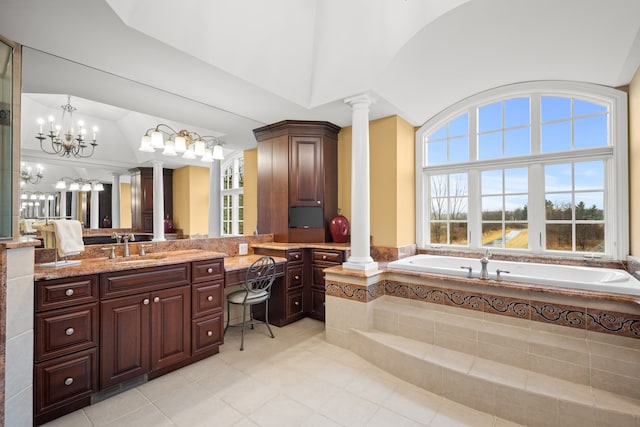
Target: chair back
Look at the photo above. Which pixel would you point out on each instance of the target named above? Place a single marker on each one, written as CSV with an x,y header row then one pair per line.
x,y
260,275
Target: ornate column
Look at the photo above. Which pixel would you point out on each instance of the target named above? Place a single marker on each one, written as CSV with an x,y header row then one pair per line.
x,y
214,199
360,258
158,201
115,201
74,204
94,220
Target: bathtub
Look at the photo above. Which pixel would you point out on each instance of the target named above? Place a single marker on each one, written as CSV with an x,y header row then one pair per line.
x,y
565,276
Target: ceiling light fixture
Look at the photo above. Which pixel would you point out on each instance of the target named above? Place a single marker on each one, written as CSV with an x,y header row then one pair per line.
x,y
70,142
79,184
27,176
187,143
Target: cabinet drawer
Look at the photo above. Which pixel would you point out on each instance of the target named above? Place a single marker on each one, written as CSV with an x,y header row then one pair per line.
x,y
206,333
65,379
66,330
66,292
294,277
206,298
320,255
131,282
294,256
204,271
294,304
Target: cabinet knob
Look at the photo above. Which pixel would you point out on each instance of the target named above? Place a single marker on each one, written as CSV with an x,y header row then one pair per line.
x,y
209,298
324,257
68,292
319,202
156,299
296,303
297,277
69,331
209,270
145,301
297,256
68,381
209,333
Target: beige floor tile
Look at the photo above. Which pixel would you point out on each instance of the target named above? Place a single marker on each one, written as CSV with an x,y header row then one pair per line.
x,y
414,403
281,412
247,395
452,414
372,386
348,409
165,385
105,412
385,418
146,416
74,419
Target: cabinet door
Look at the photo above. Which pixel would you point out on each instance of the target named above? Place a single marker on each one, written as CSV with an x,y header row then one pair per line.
x,y
306,179
317,304
124,351
170,326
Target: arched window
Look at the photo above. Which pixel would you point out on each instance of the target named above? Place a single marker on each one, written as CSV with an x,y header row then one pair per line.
x,y
232,196
534,167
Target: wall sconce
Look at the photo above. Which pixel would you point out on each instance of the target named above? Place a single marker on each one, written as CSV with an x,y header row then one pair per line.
x,y
190,144
79,184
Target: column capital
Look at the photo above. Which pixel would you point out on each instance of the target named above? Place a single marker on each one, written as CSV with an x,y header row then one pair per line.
x,y
360,101
116,174
157,163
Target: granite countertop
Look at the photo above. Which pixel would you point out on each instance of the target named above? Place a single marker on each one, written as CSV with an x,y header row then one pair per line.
x,y
243,261
288,246
105,265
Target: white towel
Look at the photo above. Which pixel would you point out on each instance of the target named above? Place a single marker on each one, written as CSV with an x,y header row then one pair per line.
x,y
68,237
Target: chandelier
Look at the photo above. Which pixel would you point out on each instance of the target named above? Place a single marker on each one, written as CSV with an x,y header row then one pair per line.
x,y
79,184
27,176
190,144
69,142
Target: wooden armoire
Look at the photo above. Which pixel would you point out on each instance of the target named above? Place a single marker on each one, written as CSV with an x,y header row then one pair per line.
x,y
297,180
142,197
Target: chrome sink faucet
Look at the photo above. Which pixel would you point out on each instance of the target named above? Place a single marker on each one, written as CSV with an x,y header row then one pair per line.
x,y
126,238
484,272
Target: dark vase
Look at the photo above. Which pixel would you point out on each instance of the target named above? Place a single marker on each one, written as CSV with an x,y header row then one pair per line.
x,y
168,225
339,228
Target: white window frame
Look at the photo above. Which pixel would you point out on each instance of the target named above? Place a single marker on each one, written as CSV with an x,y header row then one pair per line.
x,y
234,192
616,202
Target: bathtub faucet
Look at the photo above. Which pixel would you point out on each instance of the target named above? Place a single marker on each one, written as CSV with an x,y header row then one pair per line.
x,y
484,272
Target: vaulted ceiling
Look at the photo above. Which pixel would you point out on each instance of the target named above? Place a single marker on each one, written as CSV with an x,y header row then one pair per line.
x,y
226,67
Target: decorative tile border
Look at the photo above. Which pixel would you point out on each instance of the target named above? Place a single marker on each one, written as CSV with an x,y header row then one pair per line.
x,y
596,320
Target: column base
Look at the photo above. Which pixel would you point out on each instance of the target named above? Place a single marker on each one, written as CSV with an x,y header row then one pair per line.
x,y
361,266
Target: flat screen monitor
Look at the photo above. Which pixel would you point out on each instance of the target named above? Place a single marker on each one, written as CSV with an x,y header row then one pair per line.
x,y
306,217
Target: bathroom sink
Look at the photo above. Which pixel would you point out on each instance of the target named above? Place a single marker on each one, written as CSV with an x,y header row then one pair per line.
x,y
138,258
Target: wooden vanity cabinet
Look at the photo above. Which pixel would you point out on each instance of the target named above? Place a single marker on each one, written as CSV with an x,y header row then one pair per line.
x,y
144,332
321,259
207,316
287,302
66,345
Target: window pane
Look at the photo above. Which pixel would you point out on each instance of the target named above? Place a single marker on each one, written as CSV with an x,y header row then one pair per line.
x,y
556,137
590,206
458,184
515,208
516,112
490,145
557,177
492,235
581,108
554,108
439,134
459,149
490,117
439,185
438,232
591,132
439,209
459,126
459,208
459,233
589,175
517,142
437,152
590,237
517,236
558,206
559,237
491,182
492,208
516,180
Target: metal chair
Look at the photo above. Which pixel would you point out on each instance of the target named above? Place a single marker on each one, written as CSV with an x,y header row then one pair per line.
x,y
256,289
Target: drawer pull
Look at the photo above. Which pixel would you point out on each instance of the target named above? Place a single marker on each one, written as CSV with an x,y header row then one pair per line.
x,y
324,257
297,277
297,256
68,292
145,301
209,333
296,303
156,299
69,331
209,298
209,270
68,381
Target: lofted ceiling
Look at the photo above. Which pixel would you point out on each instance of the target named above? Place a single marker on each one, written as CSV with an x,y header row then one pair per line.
x,y
225,67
